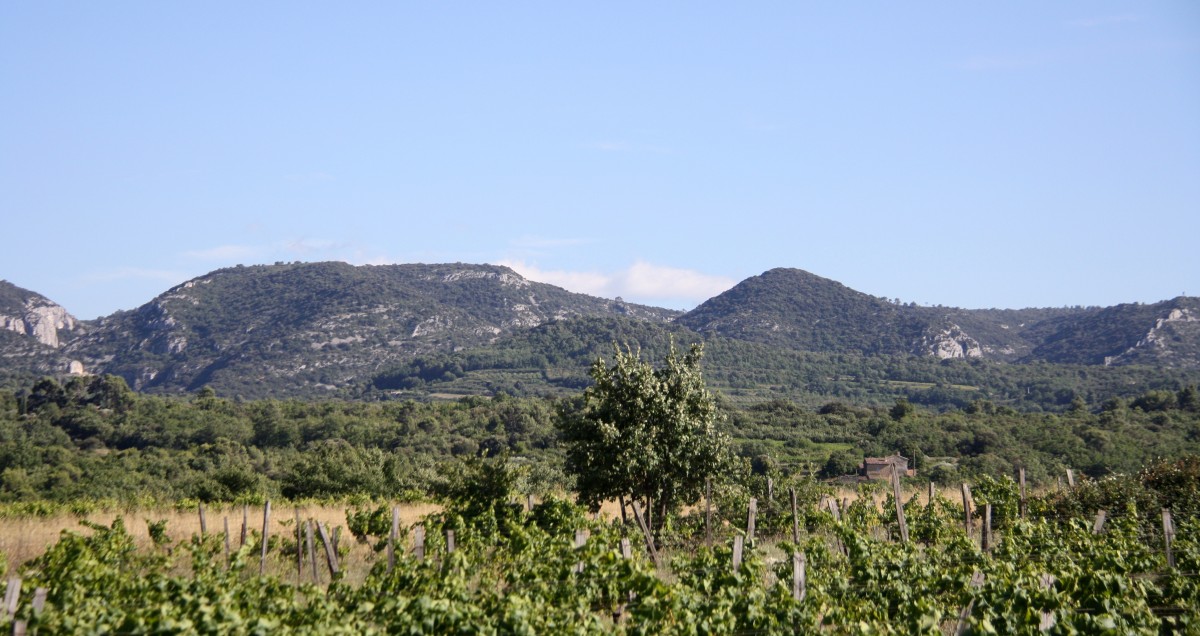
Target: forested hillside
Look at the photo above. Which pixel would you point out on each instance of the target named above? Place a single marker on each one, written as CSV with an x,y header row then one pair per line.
x,y
553,359
94,438
313,328
318,330
798,310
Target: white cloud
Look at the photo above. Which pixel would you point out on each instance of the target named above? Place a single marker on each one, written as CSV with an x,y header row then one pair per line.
x,y
543,242
310,176
625,146
610,146
1001,62
306,246
1088,23
656,281
135,273
225,253
640,282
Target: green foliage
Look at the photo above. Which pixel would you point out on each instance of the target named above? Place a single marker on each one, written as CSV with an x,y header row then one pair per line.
x,y
158,532
840,463
644,433
365,522
479,494
557,516
1166,484
536,579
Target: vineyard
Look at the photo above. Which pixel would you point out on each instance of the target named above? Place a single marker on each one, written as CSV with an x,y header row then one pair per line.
x,y
811,563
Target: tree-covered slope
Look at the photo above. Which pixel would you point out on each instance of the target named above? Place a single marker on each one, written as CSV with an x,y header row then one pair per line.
x,y
552,359
1165,333
799,310
795,309
292,328
314,329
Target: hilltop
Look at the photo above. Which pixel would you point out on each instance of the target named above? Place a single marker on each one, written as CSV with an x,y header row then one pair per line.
x,y
333,329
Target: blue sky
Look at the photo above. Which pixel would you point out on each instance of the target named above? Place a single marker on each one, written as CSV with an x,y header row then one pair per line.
x,y
966,154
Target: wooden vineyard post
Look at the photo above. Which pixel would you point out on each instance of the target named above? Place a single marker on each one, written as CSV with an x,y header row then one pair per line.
x,y
750,518
245,522
770,492
1021,480
1168,536
12,596
449,542
392,536
739,543
649,516
299,547
39,601
932,494
799,582
899,504
1101,516
985,541
419,542
262,562
227,550
795,518
529,502
1070,478
626,553
707,512
581,538
1048,621
641,521
203,523
966,497
976,583
331,558
312,551
833,509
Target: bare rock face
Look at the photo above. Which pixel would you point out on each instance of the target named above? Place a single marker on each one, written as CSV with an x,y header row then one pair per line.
x,y
952,342
40,319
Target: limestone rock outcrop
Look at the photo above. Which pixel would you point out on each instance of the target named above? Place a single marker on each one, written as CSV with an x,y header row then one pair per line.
x,y
40,319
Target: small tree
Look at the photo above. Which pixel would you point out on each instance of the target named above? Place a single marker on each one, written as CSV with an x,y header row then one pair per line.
x,y
644,433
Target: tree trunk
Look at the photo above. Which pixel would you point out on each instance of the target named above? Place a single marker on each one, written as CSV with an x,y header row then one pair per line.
x,y
650,513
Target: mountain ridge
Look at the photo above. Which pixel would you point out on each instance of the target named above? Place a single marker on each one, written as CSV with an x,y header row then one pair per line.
x,y
296,328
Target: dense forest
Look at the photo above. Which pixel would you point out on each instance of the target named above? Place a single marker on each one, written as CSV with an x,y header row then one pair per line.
x,y
552,359
92,438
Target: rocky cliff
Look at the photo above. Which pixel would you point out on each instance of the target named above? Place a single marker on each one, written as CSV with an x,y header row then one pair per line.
x,y
31,314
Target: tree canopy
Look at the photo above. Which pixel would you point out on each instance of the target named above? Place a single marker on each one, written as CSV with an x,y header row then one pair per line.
x,y
643,432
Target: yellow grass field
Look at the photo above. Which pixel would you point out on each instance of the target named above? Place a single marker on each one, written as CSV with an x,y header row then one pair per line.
x,y
25,538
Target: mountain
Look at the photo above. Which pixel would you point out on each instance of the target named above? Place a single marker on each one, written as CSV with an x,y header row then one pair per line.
x,y
31,314
32,329
313,329
290,328
795,309
1163,334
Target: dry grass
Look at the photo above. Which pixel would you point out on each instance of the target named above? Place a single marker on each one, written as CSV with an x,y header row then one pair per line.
x,y
25,538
